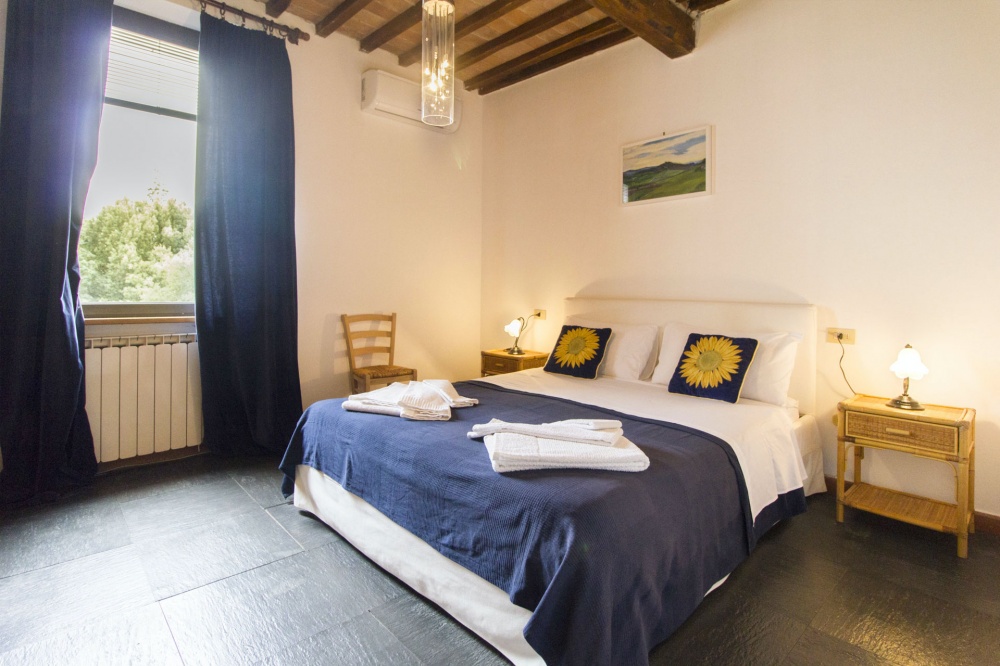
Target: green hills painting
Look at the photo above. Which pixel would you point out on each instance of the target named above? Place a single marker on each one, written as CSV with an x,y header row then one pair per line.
x,y
668,166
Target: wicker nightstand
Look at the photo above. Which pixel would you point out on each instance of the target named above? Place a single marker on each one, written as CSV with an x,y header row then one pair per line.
x,y
498,361
940,433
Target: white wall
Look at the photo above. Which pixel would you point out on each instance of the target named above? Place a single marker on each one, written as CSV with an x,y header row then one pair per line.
x,y
388,219
856,146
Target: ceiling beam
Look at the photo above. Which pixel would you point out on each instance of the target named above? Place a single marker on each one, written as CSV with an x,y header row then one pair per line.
x,y
612,39
340,15
468,25
660,22
276,7
531,28
392,29
702,5
596,29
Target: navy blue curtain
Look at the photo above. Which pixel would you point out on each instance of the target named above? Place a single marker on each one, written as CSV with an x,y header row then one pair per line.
x,y
245,300
55,64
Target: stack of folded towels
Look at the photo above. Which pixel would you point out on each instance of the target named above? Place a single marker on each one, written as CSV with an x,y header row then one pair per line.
x,y
428,400
569,444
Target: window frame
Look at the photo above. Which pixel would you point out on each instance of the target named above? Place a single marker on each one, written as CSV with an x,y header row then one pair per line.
x,y
133,21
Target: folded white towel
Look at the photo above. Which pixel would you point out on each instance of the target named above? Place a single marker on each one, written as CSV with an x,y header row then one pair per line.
x,y
592,424
561,430
387,395
450,394
428,400
371,408
512,452
395,410
424,402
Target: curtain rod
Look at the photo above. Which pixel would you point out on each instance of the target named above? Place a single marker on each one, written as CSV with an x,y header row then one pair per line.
x,y
291,34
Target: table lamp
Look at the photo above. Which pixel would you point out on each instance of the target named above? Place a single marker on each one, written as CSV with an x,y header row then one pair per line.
x,y
514,329
907,366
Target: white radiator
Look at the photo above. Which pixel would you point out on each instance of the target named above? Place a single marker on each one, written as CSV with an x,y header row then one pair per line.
x,y
143,394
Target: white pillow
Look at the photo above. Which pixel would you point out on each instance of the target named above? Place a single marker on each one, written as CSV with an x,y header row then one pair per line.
x,y
630,349
675,335
769,375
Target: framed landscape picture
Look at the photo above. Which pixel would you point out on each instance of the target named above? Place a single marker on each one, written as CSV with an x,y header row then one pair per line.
x,y
672,166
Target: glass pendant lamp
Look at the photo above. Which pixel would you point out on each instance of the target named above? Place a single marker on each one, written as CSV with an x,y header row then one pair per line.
x,y
437,98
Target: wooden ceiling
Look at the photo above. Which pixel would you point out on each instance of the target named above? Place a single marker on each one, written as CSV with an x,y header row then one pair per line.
x,y
501,42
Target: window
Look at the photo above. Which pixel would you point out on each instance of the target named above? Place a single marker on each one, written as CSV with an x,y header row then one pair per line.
x,y
137,240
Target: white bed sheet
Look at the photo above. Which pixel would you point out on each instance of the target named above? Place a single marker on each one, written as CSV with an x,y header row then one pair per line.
x,y
759,433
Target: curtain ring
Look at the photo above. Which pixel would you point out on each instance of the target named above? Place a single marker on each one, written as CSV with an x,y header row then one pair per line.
x,y
204,5
243,21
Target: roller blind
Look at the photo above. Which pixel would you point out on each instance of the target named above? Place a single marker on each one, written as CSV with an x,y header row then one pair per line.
x,y
145,72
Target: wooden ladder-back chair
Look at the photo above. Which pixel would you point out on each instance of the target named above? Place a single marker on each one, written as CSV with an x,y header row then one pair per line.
x,y
377,340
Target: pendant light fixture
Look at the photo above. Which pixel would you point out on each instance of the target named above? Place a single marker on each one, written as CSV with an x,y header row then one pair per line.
x,y
437,90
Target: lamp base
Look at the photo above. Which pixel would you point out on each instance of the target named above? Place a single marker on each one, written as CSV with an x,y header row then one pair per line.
x,y
904,401
515,351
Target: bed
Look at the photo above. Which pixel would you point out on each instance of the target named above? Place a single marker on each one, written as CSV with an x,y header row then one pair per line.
x,y
572,566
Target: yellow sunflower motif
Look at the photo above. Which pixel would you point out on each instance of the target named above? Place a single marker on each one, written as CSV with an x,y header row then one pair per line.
x,y
710,362
576,347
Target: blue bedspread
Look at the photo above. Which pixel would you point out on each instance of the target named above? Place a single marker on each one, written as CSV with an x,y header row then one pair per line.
x,y
609,563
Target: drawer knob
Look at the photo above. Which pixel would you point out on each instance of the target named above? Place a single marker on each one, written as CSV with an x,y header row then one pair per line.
x,y
897,431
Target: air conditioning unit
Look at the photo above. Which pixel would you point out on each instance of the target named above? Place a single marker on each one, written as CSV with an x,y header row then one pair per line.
x,y
394,97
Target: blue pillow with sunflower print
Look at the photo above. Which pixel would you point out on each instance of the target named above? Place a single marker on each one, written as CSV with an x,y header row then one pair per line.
x,y
579,351
713,366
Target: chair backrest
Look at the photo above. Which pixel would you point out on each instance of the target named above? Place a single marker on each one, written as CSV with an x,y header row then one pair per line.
x,y
369,328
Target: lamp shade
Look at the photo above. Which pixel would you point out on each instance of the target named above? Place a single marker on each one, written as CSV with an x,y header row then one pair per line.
x,y
513,329
908,364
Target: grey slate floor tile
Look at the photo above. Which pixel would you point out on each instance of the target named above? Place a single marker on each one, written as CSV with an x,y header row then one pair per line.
x,y
181,561
433,636
306,529
137,637
261,479
732,628
53,533
185,508
254,580
37,604
273,607
360,641
815,648
905,625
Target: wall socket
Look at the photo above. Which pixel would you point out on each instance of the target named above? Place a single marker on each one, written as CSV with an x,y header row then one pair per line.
x,y
847,333
539,313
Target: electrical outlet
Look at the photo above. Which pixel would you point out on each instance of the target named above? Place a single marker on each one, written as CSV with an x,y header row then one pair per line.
x,y
846,335
540,313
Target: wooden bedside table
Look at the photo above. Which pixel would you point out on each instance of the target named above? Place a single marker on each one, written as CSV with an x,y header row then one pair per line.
x,y
940,433
498,361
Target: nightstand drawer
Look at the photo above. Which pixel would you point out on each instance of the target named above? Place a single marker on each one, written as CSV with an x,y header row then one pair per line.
x,y
903,432
495,364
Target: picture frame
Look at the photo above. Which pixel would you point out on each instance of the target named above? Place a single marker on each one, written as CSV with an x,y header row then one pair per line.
x,y
675,165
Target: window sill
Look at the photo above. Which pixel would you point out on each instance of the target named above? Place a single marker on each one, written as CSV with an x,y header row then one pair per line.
x,y
118,321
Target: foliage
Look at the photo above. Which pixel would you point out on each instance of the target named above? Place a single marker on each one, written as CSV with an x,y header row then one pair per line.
x,y
138,251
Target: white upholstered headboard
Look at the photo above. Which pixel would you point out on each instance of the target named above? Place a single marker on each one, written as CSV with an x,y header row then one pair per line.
x,y
728,317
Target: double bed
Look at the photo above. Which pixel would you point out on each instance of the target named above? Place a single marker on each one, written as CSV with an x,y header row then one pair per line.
x,y
573,566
